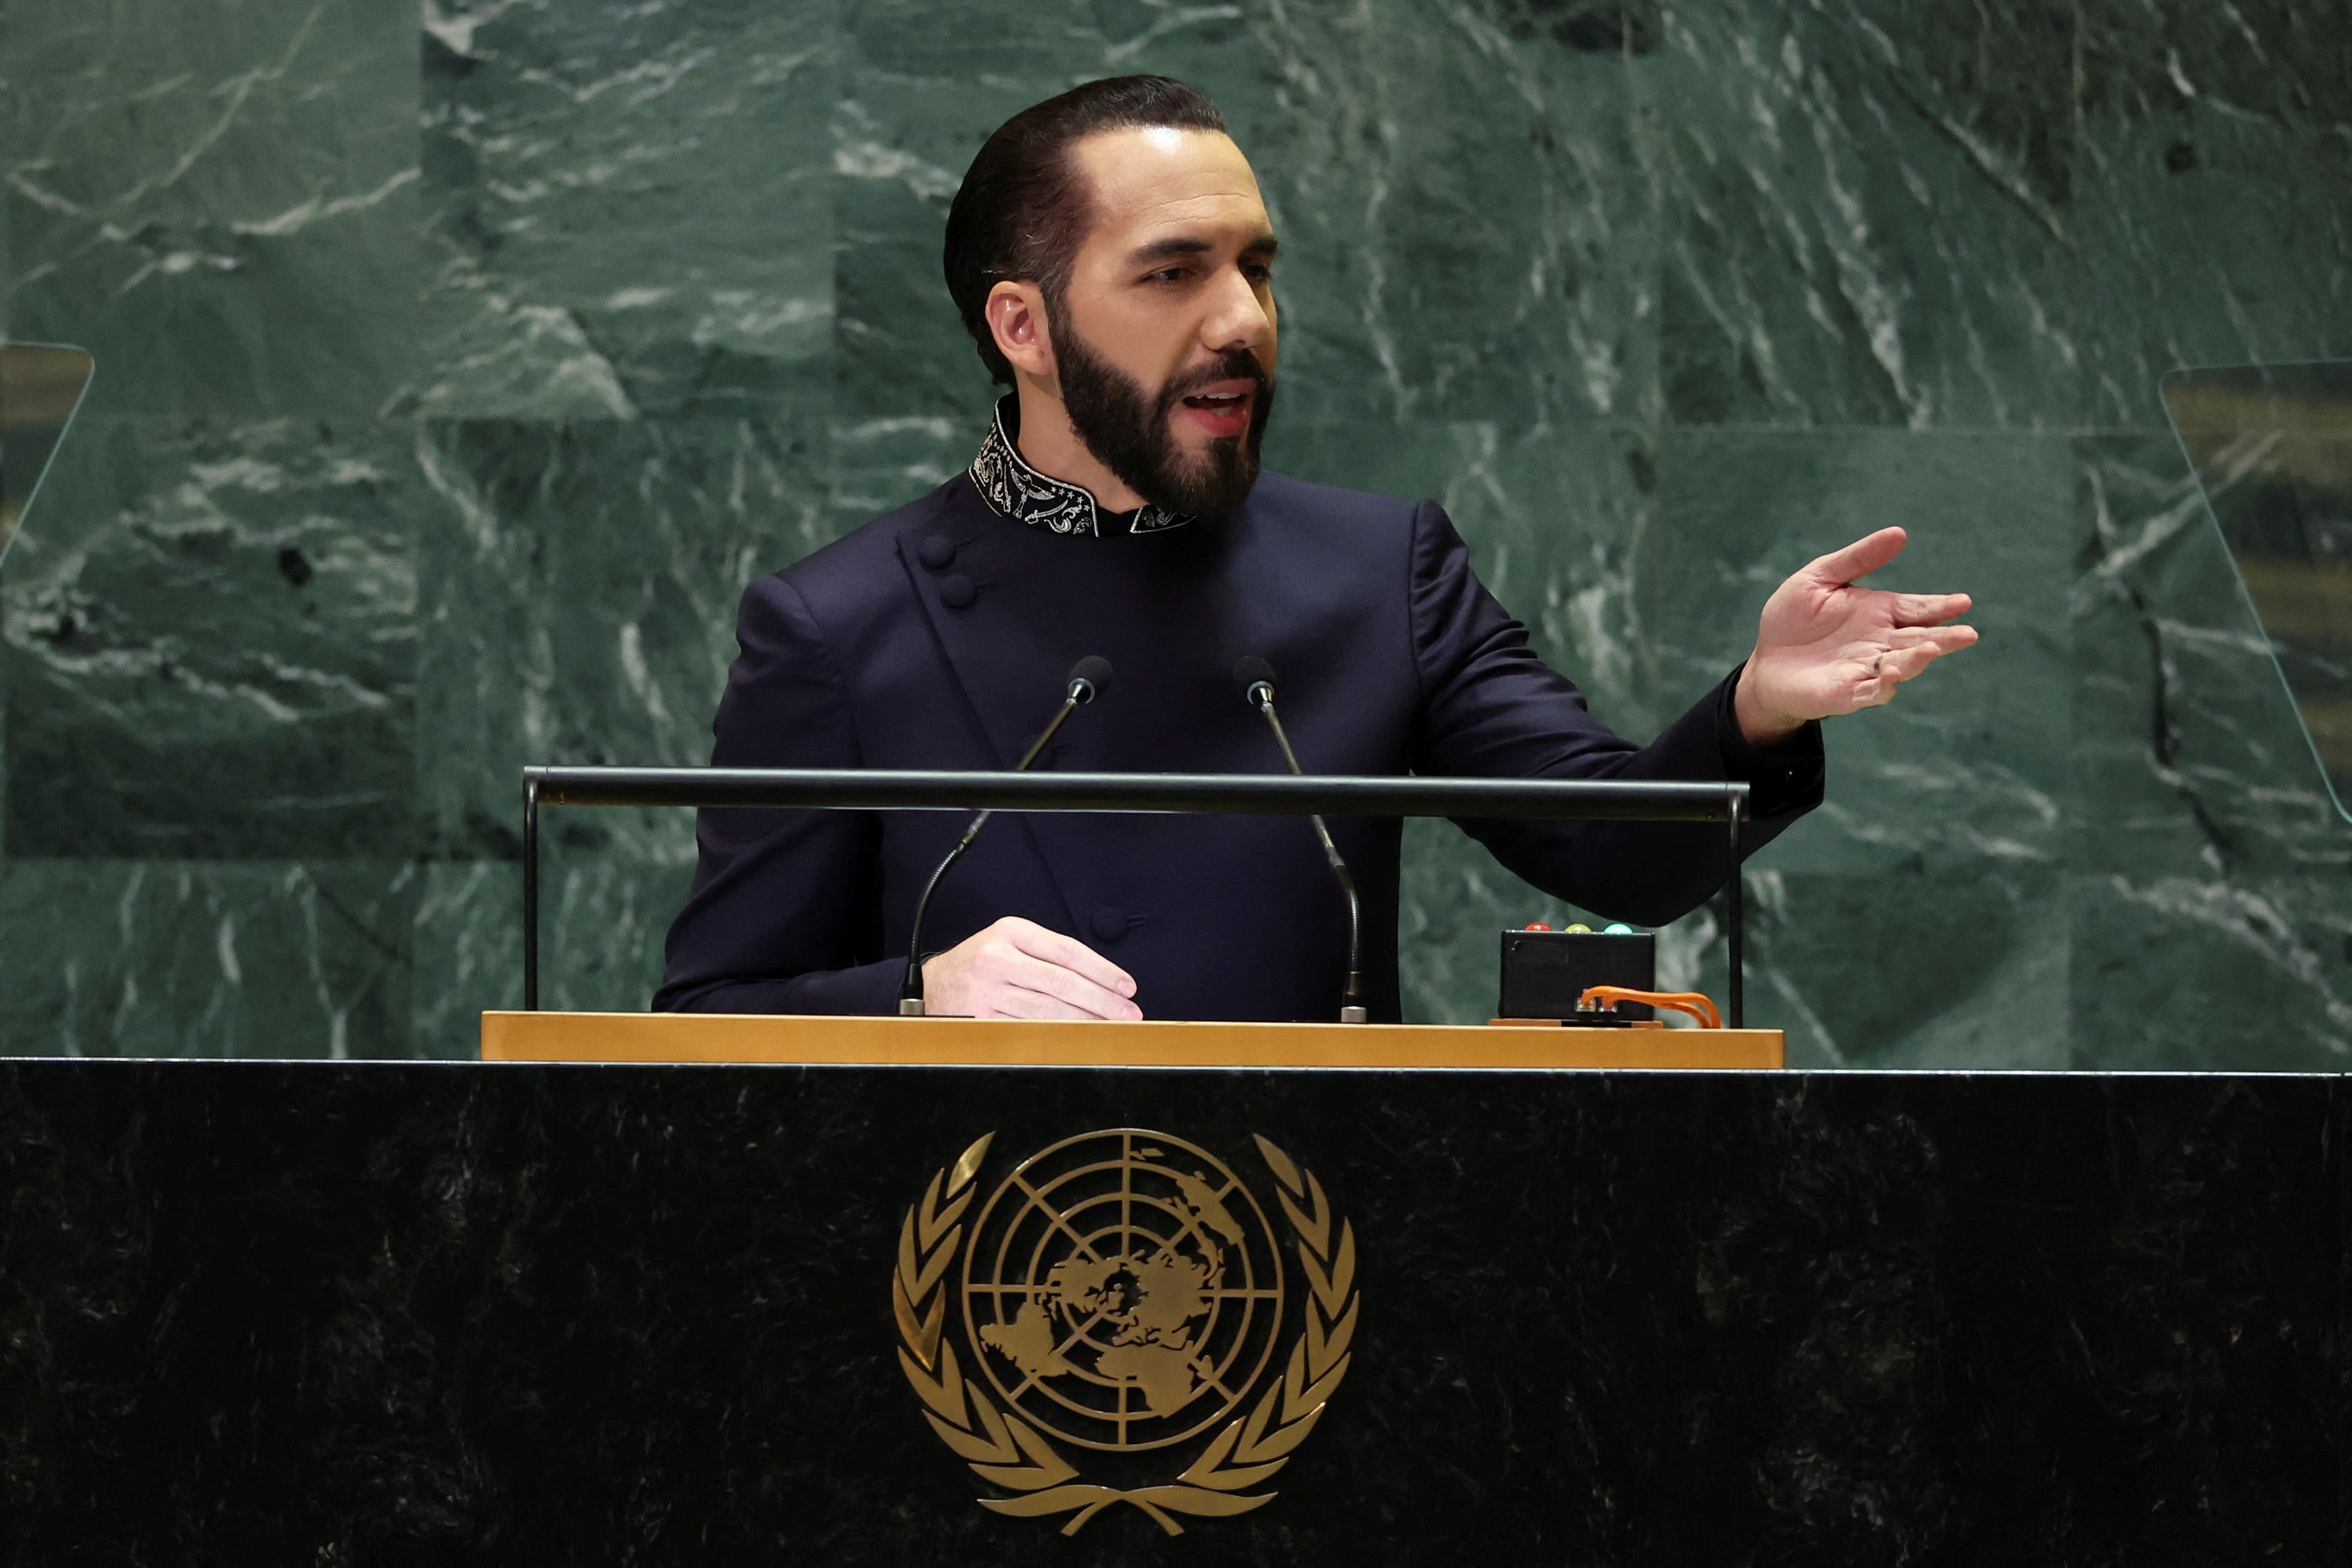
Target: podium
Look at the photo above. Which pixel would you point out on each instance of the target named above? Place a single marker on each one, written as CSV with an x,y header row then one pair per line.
x,y
533,1037
788,1293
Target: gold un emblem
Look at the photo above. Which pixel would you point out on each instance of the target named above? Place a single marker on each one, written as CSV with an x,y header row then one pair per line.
x,y
1122,1297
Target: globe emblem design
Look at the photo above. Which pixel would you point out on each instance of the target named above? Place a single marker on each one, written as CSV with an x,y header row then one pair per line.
x,y
1123,1289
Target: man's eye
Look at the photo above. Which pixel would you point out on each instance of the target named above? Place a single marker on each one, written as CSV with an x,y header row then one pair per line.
x,y
1257,273
1167,275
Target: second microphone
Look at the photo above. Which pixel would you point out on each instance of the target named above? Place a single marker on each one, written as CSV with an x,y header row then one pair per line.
x,y
1088,679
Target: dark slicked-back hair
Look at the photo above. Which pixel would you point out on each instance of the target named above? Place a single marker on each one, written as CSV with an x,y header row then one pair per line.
x,y
1021,212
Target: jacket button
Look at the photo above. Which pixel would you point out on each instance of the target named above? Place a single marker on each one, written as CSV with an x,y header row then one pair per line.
x,y
1108,924
936,551
957,592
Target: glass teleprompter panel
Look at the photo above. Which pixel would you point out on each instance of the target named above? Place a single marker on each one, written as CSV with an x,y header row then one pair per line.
x,y
40,386
2271,447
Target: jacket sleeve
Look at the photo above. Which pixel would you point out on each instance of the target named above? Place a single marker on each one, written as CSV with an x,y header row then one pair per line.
x,y
785,912
1491,709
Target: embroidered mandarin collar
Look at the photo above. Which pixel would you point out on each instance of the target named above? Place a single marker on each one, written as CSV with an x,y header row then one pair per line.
x,y
1008,484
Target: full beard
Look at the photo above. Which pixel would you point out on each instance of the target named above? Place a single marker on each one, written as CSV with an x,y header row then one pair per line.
x,y
1132,432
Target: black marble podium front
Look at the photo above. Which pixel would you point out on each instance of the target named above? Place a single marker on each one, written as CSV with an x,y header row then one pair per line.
x,y
410,1313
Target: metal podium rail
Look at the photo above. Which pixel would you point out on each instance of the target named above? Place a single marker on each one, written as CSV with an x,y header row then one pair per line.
x,y
1247,794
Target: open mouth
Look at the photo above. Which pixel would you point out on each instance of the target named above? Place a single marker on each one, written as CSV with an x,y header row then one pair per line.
x,y
1222,409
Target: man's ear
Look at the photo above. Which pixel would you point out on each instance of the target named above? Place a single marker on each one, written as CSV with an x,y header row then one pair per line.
x,y
1017,318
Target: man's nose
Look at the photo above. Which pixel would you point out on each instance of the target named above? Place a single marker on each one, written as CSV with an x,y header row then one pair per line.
x,y
1238,319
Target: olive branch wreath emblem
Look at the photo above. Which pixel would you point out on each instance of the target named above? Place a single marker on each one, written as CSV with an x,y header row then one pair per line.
x,y
1007,1452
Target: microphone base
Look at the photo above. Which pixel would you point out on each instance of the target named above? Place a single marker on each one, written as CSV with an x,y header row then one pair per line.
x,y
1354,1015
910,1006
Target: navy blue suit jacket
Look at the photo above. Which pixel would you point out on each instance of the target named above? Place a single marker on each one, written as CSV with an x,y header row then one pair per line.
x,y
937,636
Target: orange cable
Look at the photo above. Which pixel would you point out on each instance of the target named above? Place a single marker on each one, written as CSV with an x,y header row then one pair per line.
x,y
1691,1002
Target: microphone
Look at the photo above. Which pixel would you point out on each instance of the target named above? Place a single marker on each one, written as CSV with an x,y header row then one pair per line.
x,y
1088,679
1254,679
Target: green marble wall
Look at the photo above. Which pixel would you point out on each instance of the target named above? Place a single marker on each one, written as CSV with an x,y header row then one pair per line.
x,y
454,377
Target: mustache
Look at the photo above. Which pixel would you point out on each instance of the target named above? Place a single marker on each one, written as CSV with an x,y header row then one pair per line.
x,y
1234,364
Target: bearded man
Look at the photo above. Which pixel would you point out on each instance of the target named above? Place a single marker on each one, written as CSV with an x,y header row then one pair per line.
x,y
1113,261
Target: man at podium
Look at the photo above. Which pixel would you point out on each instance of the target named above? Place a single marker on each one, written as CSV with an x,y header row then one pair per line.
x,y
1113,261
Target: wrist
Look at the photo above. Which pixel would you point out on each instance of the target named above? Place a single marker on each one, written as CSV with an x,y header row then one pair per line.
x,y
942,996
1759,724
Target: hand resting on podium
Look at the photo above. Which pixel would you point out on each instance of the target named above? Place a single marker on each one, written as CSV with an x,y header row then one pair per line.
x,y
1018,969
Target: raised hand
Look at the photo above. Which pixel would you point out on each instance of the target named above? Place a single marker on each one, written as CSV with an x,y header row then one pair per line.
x,y
1825,645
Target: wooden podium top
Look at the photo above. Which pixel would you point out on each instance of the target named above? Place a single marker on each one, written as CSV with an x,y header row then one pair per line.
x,y
974,1042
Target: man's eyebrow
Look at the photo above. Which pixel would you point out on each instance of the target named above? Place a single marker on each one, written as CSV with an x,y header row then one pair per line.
x,y
1168,249
1188,244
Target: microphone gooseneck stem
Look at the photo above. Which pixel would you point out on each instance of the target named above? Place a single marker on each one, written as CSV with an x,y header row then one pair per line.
x,y
910,989
1045,736
1351,1001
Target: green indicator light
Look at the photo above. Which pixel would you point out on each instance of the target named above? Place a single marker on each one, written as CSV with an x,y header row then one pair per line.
x,y
1618,929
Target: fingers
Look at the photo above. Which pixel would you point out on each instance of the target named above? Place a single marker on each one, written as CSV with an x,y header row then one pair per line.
x,y
1904,664
1943,639
1860,559
1012,1002
1018,969
1929,609
1053,947
1890,669
1032,980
